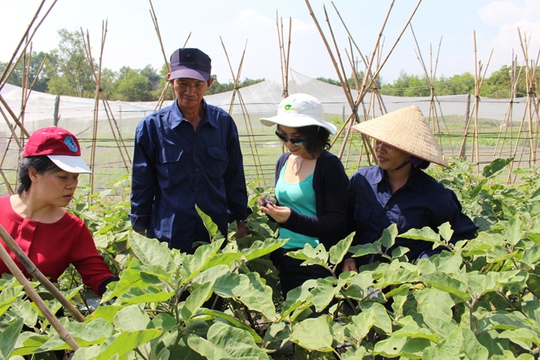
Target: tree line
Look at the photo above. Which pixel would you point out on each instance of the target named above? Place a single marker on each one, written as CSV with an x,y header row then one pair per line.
x,y
66,71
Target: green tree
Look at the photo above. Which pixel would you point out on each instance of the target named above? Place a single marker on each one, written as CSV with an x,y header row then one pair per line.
x,y
455,85
134,87
43,77
153,77
108,83
329,81
72,73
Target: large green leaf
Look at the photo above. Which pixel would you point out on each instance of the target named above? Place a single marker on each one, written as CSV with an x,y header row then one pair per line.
x,y
311,255
210,225
26,311
411,329
152,253
447,283
139,295
9,336
338,251
233,321
8,296
227,342
436,309
513,230
449,348
313,334
533,283
194,264
125,342
324,293
132,279
195,300
250,290
88,333
472,349
424,234
496,167
389,235
131,318
531,255
392,346
262,248
525,338
365,249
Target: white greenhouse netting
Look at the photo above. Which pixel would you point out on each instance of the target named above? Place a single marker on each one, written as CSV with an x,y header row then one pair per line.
x,y
258,100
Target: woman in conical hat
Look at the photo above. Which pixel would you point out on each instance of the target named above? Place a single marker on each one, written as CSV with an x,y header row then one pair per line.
x,y
398,191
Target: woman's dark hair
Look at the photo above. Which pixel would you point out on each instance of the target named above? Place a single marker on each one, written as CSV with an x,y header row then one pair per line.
x,y
317,138
424,165
42,164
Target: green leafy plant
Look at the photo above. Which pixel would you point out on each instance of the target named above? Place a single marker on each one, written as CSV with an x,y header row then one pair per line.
x,y
477,299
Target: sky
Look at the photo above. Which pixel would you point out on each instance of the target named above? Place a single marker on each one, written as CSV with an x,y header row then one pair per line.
x,y
444,33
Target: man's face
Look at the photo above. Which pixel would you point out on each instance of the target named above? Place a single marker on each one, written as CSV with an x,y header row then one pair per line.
x,y
189,91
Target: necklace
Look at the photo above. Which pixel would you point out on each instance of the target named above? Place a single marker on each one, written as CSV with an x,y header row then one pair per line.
x,y
298,164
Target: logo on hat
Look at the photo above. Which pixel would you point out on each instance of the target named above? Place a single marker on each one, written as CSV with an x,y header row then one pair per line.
x,y
287,107
71,144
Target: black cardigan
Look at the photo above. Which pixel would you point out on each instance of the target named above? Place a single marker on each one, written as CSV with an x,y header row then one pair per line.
x,y
330,183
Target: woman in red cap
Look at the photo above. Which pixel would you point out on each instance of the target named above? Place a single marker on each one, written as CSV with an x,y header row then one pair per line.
x,y
35,216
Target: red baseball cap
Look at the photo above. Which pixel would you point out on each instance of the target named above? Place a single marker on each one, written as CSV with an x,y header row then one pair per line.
x,y
61,146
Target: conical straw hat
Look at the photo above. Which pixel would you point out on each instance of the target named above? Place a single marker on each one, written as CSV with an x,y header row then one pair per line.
x,y
406,130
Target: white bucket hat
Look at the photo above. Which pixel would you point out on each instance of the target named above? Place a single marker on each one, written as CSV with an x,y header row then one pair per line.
x,y
406,130
299,110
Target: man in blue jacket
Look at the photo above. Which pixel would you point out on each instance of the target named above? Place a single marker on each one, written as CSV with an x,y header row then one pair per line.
x,y
187,154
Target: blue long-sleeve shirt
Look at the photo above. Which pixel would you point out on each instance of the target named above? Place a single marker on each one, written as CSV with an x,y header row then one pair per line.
x,y
176,167
422,201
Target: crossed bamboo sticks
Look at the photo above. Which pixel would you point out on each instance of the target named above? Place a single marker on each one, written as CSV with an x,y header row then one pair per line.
x,y
34,271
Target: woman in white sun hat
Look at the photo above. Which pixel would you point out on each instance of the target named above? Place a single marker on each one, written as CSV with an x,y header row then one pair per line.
x,y
397,191
35,216
310,187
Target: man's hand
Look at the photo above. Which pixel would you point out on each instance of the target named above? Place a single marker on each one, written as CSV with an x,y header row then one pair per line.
x,y
241,230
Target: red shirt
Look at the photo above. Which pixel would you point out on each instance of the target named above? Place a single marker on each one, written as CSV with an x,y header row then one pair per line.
x,y
52,247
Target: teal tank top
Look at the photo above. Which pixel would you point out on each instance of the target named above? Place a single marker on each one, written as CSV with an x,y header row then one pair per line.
x,y
301,198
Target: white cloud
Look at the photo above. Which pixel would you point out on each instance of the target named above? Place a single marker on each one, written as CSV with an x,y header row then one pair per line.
x,y
499,13
248,18
513,18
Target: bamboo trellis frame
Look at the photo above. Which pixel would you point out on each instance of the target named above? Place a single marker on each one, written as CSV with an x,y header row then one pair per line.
x,y
433,114
370,77
479,78
100,96
18,120
245,113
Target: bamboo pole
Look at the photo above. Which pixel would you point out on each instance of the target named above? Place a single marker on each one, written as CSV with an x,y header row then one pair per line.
x,y
433,100
10,66
100,96
14,269
245,114
158,33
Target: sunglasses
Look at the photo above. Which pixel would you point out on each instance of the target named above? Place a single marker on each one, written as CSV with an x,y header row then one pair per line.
x,y
294,141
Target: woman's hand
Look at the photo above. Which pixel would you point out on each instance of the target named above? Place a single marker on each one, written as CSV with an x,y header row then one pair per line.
x,y
268,206
279,213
